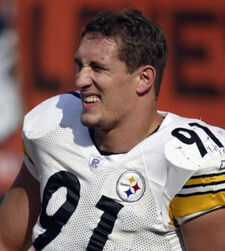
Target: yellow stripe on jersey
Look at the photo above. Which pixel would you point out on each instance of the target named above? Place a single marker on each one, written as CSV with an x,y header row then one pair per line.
x,y
171,217
182,206
205,180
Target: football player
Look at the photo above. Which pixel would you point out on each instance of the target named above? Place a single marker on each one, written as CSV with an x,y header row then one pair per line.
x,y
104,169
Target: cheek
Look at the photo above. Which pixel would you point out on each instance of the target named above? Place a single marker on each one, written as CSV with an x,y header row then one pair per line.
x,y
118,103
118,93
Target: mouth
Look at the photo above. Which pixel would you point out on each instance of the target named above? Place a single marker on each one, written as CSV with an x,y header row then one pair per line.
x,y
90,100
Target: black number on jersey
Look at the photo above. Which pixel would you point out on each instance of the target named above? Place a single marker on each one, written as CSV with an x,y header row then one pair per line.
x,y
54,223
194,138
105,226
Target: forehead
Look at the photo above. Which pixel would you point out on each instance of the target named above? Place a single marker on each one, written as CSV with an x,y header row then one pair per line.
x,y
98,46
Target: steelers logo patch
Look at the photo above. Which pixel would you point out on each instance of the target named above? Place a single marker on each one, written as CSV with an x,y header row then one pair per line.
x,y
130,186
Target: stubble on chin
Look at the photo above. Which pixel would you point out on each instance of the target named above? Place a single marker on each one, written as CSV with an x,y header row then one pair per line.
x,y
84,121
88,122
97,122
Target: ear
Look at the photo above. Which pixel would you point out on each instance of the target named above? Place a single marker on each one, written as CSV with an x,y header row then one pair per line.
x,y
147,76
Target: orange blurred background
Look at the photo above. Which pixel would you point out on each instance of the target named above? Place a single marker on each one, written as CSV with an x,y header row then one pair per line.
x,y
40,38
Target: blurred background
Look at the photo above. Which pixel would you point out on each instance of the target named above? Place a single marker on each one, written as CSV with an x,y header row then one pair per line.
x,y
38,39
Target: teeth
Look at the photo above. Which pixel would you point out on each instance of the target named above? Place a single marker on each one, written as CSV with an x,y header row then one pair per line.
x,y
91,99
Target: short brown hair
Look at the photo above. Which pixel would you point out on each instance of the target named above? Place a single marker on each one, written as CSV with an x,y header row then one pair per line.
x,y
142,41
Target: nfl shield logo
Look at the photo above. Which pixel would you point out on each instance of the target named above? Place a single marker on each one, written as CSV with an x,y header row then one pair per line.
x,y
95,162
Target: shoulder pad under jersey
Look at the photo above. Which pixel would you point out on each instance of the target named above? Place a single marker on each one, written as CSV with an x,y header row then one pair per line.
x,y
194,143
61,110
197,148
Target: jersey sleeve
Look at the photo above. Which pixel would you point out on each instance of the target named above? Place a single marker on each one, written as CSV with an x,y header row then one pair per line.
x,y
37,123
197,164
28,158
59,111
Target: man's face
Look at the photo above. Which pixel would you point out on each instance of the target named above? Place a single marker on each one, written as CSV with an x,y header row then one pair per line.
x,y
107,89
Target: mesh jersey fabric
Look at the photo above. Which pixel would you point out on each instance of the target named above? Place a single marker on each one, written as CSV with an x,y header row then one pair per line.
x,y
131,201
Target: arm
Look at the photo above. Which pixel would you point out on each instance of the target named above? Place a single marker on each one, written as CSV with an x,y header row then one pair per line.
x,y
18,212
206,232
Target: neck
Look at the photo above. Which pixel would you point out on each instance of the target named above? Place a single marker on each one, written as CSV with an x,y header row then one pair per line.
x,y
124,138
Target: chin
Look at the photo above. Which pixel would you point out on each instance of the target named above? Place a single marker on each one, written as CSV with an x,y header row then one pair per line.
x,y
97,122
89,122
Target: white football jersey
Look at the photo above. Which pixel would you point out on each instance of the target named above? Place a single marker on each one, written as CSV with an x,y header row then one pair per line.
x,y
131,201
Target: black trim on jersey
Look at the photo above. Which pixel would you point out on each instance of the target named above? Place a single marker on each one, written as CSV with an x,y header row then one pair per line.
x,y
76,94
206,175
205,184
105,153
156,129
199,193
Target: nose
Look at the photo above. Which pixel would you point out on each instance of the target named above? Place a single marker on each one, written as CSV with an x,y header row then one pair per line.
x,y
83,78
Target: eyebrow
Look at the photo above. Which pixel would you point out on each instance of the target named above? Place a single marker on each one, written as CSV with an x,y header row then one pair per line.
x,y
77,60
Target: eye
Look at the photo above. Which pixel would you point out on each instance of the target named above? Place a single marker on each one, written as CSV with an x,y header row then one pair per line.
x,y
97,67
78,64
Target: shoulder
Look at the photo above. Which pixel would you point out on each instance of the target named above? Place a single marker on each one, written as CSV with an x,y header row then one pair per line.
x,y
193,142
195,156
177,158
61,110
184,143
